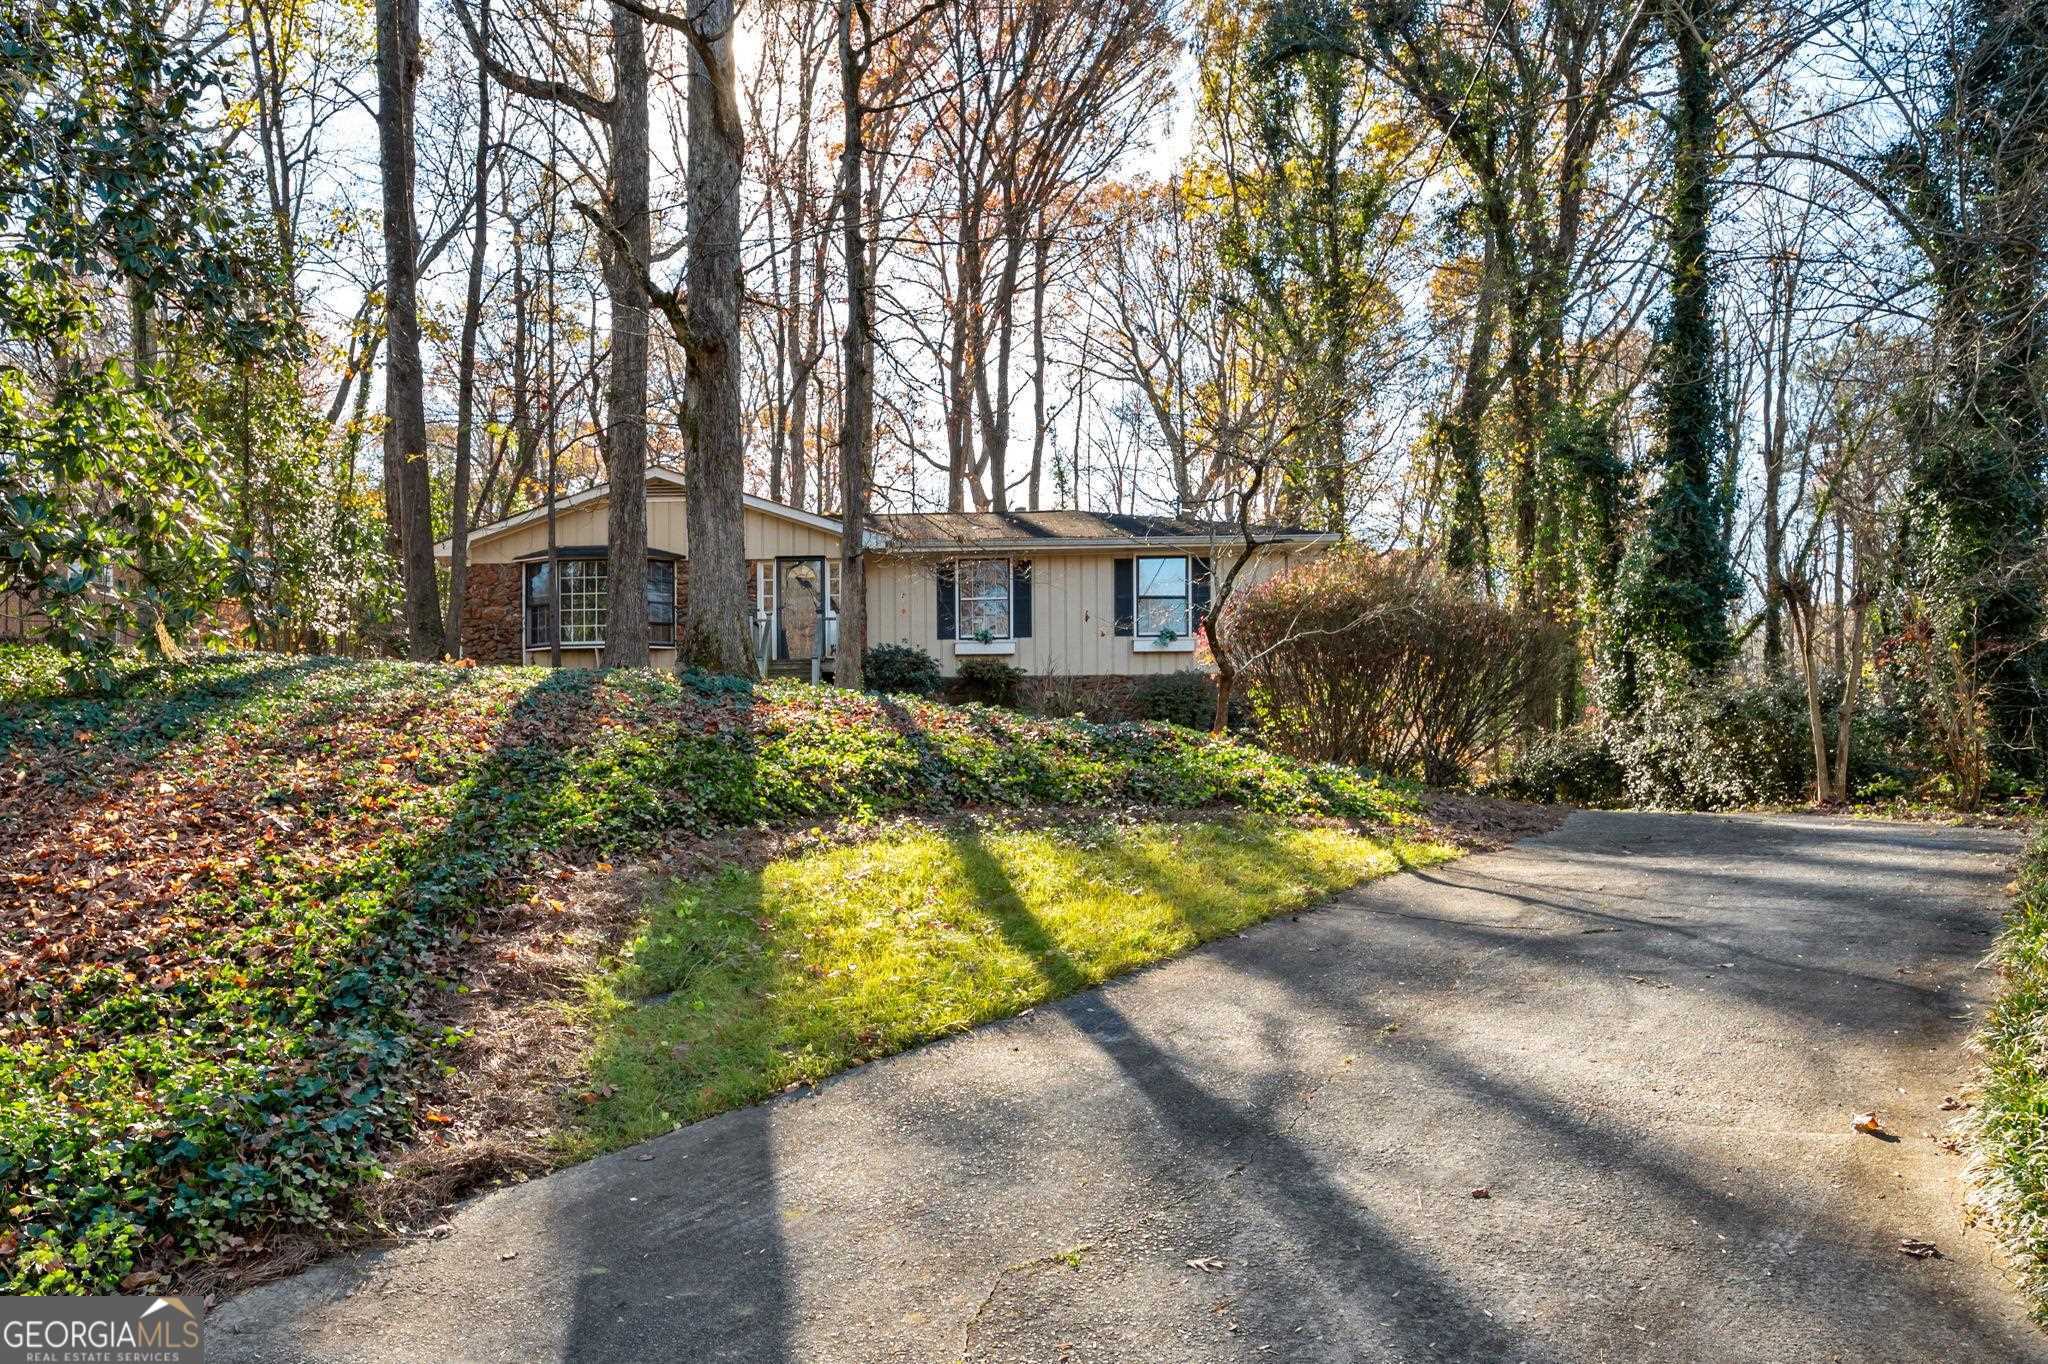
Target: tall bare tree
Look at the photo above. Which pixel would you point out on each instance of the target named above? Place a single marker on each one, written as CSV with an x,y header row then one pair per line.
x,y
405,412
465,382
625,246
714,631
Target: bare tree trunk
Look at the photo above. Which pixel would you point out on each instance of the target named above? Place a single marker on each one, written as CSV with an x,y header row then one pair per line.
x,y
1467,548
799,437
1841,645
1799,604
1226,686
714,635
405,412
465,381
1038,271
525,431
1777,426
1851,684
992,378
958,409
858,347
552,453
625,443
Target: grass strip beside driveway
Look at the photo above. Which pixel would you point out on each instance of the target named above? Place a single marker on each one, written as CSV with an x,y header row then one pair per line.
x,y
2009,1125
746,983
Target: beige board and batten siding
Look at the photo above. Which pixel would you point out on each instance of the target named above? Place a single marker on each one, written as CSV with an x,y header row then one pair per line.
x,y
766,536
1073,609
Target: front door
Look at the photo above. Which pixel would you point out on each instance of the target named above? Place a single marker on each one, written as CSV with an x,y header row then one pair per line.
x,y
799,599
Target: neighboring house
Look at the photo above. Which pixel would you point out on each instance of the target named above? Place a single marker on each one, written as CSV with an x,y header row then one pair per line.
x,y
1087,600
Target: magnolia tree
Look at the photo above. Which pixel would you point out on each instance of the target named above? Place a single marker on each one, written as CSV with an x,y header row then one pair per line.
x,y
114,186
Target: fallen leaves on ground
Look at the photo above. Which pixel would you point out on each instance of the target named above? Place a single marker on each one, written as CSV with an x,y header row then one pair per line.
x,y
229,889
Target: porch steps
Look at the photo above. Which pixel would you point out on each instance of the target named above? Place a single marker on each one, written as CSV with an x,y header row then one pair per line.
x,y
799,668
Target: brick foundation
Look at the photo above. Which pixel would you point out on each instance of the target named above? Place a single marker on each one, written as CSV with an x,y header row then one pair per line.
x,y
492,625
1101,696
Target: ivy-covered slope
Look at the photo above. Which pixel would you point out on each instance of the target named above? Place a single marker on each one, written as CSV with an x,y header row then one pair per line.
x,y
226,889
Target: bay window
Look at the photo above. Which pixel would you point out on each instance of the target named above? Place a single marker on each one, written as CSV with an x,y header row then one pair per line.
x,y
585,588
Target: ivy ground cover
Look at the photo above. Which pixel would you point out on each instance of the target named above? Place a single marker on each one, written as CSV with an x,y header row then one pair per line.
x,y
228,888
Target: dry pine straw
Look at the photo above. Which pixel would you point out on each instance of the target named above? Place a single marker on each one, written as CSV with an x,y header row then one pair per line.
x,y
515,1081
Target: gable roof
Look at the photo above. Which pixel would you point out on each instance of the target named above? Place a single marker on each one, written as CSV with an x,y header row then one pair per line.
x,y
1063,530
662,481
911,532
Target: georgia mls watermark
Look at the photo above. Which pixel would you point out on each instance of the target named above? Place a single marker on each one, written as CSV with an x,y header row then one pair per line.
x,y
101,1330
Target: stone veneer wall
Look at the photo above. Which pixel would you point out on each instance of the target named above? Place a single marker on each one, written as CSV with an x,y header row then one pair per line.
x,y
492,628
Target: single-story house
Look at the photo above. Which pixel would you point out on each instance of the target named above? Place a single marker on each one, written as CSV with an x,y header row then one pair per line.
x,y
1085,598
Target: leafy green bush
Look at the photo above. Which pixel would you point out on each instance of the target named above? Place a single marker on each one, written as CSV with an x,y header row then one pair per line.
x,y
1709,744
1186,698
1371,659
989,681
901,670
1715,744
1569,766
2009,1125
1733,741
227,1031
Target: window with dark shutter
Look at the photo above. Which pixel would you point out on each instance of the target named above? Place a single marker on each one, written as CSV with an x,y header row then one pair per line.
x,y
1020,599
1163,597
1126,604
1198,592
946,617
982,593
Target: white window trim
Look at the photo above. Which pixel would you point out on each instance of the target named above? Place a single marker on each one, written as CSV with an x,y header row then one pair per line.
x,y
526,643
1005,643
1183,643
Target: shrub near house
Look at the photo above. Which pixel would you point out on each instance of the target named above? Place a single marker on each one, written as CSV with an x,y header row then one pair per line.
x,y
1375,660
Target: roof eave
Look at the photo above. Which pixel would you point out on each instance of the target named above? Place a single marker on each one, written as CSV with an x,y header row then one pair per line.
x,y
1055,542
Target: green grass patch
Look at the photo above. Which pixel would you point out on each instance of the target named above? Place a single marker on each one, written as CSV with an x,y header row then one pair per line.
x,y
743,984
228,887
2009,1124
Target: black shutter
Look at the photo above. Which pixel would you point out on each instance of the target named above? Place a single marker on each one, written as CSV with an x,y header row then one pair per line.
x,y
1020,599
946,608
1126,597
1198,591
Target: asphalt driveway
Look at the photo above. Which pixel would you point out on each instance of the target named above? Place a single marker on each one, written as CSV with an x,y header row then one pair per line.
x,y
1642,1036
